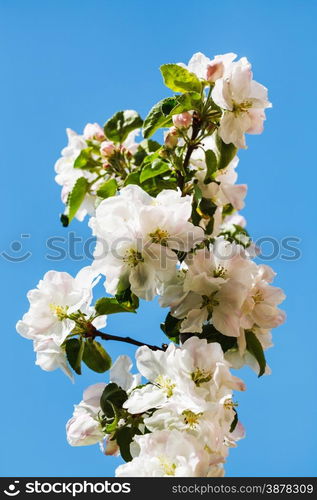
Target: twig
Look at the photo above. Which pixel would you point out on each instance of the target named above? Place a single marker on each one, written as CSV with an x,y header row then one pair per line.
x,y
92,333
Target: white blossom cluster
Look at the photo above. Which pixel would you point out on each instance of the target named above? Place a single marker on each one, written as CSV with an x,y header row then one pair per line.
x,y
186,405
167,224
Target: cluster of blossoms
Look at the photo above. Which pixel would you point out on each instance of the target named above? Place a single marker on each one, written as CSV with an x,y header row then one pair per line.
x,y
167,223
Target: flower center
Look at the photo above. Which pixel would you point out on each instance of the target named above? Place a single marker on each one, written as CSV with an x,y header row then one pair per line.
x,y
159,236
59,311
241,107
191,419
132,257
220,272
258,297
200,376
166,384
168,467
229,404
210,302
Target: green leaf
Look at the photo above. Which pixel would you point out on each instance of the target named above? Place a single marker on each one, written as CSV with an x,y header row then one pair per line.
x,y
74,353
110,305
112,425
84,159
121,124
76,197
126,298
113,394
155,185
154,169
95,356
180,79
171,327
108,188
211,163
226,152
207,207
212,335
255,348
145,148
124,437
156,118
161,113
197,193
186,102
133,178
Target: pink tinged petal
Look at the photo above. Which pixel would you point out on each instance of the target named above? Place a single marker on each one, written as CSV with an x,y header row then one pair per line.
x,y
226,322
143,399
239,432
273,295
235,194
257,117
142,280
258,94
215,70
110,447
267,316
198,64
194,320
93,394
242,343
232,128
240,80
267,273
221,94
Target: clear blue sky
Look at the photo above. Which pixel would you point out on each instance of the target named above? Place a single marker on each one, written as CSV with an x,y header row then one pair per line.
x,y
67,63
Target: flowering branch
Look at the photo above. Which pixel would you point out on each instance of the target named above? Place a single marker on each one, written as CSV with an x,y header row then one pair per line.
x,y
167,224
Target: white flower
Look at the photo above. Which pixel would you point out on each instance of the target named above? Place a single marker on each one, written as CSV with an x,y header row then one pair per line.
x,y
47,323
165,454
260,307
84,427
137,236
50,356
93,131
57,296
215,287
210,69
243,101
67,175
188,376
223,191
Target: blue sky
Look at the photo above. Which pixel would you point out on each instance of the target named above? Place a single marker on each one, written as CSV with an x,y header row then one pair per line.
x,y
64,64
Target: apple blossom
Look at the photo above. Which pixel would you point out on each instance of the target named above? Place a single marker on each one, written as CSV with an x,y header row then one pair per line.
x,y
243,101
67,175
93,131
210,69
165,454
84,428
141,237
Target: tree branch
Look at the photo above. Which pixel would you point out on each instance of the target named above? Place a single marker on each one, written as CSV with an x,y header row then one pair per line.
x,y
192,146
93,332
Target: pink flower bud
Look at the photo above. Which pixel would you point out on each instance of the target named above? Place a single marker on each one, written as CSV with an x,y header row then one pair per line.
x,y
171,138
183,120
107,148
93,131
215,70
